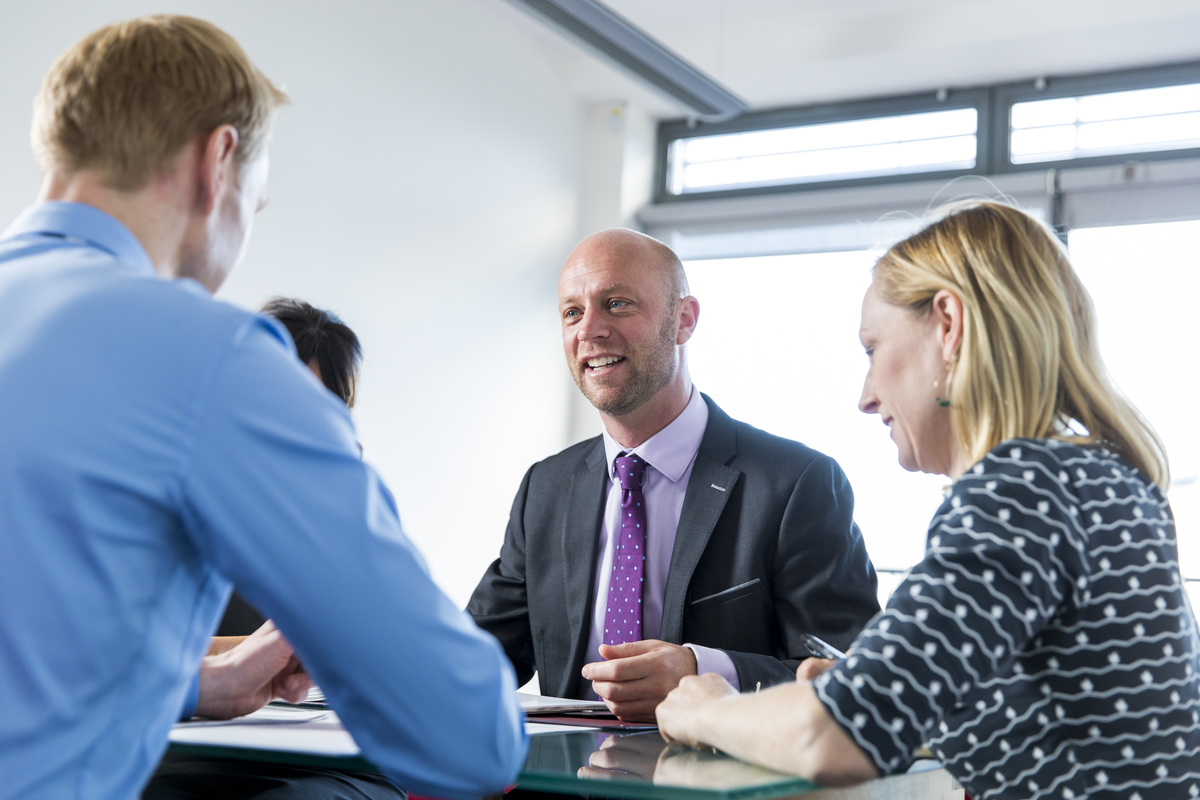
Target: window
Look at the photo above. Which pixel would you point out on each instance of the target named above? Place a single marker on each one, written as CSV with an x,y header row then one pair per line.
x,y
1145,281
1091,120
1163,118
778,348
893,145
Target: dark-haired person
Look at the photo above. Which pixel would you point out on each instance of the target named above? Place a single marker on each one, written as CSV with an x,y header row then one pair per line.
x,y
331,351
157,445
324,344
1045,646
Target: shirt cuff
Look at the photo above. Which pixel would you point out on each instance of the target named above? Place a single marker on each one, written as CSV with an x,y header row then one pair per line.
x,y
193,697
709,659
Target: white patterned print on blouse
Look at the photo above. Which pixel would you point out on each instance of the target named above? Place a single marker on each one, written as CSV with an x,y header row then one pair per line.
x,y
1045,646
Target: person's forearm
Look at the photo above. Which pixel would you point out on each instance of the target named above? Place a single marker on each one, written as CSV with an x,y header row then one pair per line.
x,y
786,729
755,727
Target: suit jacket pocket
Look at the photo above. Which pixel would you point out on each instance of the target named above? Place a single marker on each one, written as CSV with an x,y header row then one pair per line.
x,y
726,595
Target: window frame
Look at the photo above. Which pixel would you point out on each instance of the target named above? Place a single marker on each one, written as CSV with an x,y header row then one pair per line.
x,y
1005,96
670,131
993,104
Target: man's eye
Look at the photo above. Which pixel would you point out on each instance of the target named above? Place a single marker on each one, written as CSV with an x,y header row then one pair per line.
x,y
617,303
570,313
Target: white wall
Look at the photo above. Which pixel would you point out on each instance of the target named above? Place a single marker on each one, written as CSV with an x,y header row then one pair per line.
x,y
424,185
616,181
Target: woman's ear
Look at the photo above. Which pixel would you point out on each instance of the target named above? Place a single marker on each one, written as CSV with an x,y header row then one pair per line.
x,y
948,316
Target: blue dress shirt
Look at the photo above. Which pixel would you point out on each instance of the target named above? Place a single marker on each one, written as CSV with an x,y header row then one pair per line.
x,y
155,445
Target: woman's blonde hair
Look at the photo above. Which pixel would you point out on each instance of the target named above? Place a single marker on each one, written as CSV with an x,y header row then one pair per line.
x,y
126,99
1028,364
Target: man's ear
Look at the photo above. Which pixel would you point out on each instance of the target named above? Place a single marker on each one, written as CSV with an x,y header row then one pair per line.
x,y
947,314
688,314
218,166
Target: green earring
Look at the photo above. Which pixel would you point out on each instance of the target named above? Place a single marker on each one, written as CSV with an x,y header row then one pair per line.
x,y
943,403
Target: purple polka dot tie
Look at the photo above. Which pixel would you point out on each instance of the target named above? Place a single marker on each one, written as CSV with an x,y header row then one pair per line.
x,y
623,618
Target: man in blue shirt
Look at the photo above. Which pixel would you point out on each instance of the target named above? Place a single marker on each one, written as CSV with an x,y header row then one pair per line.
x,y
156,445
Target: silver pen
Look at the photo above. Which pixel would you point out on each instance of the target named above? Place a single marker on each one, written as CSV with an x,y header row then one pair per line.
x,y
820,648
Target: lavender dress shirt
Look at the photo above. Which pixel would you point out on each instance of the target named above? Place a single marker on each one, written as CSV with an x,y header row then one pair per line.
x,y
670,454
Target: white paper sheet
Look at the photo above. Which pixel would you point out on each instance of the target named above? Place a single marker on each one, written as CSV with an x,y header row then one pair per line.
x,y
267,715
539,728
536,704
321,734
294,730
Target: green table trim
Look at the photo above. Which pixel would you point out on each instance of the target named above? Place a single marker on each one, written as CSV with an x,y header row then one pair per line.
x,y
532,781
649,791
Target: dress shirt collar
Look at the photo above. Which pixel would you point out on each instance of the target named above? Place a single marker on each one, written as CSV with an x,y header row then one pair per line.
x,y
672,449
81,224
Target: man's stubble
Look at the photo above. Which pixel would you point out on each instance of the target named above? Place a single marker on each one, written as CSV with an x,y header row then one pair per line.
x,y
651,368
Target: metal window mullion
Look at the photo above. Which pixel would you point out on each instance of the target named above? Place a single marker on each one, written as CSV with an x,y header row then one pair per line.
x,y
838,149
1078,122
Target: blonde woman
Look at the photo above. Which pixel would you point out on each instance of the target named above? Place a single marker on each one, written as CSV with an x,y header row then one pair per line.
x,y
1045,646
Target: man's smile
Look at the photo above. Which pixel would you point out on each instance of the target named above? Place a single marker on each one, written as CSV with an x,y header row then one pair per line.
x,y
601,364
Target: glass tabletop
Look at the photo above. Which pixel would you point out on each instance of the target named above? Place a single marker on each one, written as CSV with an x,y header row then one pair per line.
x,y
642,766
638,766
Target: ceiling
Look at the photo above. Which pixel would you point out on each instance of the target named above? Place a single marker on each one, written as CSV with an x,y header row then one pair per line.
x,y
796,52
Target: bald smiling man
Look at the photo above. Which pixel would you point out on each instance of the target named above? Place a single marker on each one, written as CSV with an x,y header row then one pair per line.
x,y
680,541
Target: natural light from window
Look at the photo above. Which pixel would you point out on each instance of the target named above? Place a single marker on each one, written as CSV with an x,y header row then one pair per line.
x,y
896,145
1164,118
777,346
1145,282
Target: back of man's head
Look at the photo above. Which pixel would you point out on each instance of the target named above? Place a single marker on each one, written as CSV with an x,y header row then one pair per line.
x,y
127,98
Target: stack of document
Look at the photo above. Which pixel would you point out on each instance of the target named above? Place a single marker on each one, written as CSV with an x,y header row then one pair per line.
x,y
535,705
312,727
575,713
283,728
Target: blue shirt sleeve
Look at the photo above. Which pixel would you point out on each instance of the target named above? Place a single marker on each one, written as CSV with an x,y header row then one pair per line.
x,y
193,697
277,499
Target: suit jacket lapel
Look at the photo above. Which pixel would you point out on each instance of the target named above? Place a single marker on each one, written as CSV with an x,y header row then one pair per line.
x,y
708,490
580,549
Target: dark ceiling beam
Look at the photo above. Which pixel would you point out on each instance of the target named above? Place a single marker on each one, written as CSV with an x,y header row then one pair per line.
x,y
616,38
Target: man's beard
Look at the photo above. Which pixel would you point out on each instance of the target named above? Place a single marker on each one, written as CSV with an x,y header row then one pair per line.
x,y
650,369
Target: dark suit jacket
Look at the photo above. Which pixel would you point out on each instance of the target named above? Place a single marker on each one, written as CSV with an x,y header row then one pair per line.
x,y
240,618
766,550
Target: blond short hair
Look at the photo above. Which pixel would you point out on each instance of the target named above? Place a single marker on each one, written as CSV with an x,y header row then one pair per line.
x,y
127,98
1028,364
